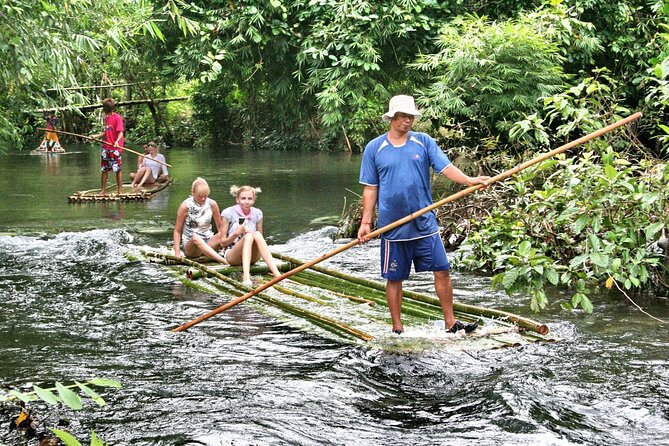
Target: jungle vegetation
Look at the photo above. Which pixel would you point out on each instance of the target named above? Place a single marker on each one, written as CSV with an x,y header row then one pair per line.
x,y
498,81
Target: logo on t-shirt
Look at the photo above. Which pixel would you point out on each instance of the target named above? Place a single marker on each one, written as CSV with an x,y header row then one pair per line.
x,y
416,157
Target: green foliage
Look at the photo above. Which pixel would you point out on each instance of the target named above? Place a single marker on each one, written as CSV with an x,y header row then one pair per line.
x,y
71,440
576,222
66,395
583,108
656,85
490,72
50,46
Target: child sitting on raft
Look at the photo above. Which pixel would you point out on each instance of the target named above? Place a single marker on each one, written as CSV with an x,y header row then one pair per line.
x,y
192,230
152,168
243,223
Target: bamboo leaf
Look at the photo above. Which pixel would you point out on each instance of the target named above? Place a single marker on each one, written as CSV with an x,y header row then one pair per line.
x,y
68,397
102,382
66,437
25,397
92,393
46,395
95,441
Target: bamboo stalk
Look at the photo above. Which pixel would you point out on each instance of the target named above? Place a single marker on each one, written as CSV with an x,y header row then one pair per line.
x,y
415,308
502,176
321,321
255,269
315,318
116,104
462,308
299,295
103,142
355,299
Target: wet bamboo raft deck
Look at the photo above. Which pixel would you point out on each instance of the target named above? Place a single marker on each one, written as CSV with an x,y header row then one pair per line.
x,y
352,308
128,193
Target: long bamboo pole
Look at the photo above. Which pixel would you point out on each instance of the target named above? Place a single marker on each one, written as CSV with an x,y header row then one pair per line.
x,y
502,176
318,319
101,141
116,104
522,322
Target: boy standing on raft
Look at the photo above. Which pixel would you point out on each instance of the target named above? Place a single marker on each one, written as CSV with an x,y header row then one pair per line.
x,y
395,174
110,157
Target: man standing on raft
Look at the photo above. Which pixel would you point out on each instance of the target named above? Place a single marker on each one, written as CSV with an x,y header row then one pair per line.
x,y
395,173
110,158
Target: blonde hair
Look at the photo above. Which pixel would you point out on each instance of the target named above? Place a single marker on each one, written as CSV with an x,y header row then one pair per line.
x,y
236,190
200,184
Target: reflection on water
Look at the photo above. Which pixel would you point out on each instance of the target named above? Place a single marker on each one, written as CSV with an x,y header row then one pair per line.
x,y
297,188
75,308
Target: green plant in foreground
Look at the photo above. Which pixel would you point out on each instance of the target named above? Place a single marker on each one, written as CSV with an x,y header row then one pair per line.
x,y
594,218
66,396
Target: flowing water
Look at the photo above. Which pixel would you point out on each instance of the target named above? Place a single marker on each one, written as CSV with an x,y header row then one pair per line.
x,y
72,307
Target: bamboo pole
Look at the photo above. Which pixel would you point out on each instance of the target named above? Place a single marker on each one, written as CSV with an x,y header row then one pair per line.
x,y
101,141
502,176
315,318
465,309
88,87
116,104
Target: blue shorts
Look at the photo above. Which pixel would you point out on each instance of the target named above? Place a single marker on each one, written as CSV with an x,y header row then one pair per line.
x,y
427,254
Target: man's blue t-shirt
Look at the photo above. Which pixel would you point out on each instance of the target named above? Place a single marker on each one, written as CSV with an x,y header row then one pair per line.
x,y
402,175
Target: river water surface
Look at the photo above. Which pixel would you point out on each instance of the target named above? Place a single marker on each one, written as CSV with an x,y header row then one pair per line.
x,y
72,307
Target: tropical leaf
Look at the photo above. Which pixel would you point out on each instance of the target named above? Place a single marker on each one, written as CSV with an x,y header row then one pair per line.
x,y
102,382
68,397
46,395
92,393
66,437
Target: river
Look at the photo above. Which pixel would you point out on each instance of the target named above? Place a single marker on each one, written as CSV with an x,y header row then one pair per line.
x,y
73,307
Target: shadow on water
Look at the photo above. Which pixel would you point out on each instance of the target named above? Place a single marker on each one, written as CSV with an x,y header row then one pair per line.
x,y
73,307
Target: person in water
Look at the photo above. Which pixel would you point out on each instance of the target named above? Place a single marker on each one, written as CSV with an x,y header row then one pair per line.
x,y
193,235
395,174
153,169
244,223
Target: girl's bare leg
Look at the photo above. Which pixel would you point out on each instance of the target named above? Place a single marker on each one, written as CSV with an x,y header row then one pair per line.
x,y
147,175
137,177
263,249
197,246
247,252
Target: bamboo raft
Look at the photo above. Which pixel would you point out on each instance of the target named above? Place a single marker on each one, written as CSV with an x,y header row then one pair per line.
x,y
39,151
352,308
127,193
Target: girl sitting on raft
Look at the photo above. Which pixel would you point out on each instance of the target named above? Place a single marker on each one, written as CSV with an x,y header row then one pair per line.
x,y
245,220
192,230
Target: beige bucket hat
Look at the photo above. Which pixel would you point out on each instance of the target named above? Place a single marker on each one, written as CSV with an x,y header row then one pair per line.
x,y
401,104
